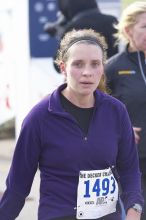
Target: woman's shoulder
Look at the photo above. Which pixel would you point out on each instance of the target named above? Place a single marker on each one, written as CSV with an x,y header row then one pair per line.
x,y
116,58
115,62
110,101
39,110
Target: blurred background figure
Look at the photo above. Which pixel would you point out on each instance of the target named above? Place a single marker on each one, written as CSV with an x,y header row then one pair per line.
x,y
84,14
126,75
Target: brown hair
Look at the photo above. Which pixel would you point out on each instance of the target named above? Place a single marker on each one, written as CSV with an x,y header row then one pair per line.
x,y
88,36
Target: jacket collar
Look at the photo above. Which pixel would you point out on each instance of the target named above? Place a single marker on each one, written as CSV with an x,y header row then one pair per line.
x,y
55,106
133,55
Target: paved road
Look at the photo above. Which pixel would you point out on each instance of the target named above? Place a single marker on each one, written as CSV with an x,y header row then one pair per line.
x,y
29,212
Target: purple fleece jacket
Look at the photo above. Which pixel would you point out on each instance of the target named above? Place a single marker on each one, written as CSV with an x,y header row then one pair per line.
x,y
52,140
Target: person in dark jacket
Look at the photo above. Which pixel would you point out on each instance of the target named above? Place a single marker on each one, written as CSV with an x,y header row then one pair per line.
x,y
82,141
82,14
86,14
126,75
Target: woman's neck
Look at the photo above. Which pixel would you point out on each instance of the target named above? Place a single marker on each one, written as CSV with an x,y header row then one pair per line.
x,y
80,101
133,49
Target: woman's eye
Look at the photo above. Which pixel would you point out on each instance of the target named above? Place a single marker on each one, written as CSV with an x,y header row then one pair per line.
x,y
78,64
96,64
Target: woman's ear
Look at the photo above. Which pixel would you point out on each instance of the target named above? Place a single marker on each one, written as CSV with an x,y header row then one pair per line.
x,y
128,31
62,68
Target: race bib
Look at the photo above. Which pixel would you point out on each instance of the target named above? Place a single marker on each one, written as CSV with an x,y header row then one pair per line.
x,y
97,194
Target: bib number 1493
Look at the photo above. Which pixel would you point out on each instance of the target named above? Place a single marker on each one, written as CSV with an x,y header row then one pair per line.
x,y
97,194
101,187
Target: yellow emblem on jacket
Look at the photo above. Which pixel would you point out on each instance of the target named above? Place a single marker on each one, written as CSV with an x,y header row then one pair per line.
x,y
126,72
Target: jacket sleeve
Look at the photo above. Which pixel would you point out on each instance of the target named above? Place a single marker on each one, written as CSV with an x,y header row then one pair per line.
x,y
128,165
23,168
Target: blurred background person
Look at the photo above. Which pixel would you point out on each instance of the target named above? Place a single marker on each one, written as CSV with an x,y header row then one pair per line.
x,y
126,75
84,14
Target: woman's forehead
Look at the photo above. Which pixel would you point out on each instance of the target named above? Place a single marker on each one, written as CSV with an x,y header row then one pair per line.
x,y
141,17
84,46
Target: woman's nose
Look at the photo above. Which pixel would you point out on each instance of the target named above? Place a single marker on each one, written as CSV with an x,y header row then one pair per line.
x,y
87,71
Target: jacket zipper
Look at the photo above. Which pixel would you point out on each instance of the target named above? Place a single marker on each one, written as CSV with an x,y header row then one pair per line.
x,y
141,68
